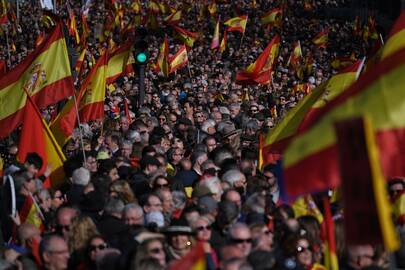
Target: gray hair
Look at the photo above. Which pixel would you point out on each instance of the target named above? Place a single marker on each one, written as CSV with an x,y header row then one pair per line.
x,y
207,164
237,226
133,206
207,124
221,156
232,176
43,194
114,206
81,176
179,199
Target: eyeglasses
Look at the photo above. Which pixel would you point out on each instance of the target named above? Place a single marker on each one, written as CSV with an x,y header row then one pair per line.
x,y
162,119
301,249
202,228
161,185
240,241
156,250
99,247
62,227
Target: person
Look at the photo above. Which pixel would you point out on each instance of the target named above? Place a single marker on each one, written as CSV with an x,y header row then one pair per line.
x,y
241,237
151,247
121,189
95,244
180,238
133,215
64,216
54,252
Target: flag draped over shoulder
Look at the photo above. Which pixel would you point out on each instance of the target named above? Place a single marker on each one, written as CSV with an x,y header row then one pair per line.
x,y
179,60
308,108
187,37
194,260
237,24
378,95
120,62
37,137
92,103
45,75
259,72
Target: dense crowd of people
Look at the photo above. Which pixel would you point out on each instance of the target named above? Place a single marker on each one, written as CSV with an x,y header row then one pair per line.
x,y
144,188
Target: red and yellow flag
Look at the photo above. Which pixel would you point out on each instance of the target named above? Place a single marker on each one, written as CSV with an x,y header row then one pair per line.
x,y
224,41
92,103
187,37
296,55
215,38
343,61
120,62
80,60
45,74
3,12
173,18
273,18
212,8
259,72
396,38
378,95
179,60
321,39
237,24
31,213
328,236
162,64
194,260
398,208
37,137
153,7
308,108
72,24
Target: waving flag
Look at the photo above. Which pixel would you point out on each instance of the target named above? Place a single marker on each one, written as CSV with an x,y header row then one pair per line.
x,y
215,38
321,39
259,72
179,60
396,38
237,24
72,24
173,18
45,74
316,146
296,55
224,41
162,64
3,12
187,37
273,18
120,62
212,8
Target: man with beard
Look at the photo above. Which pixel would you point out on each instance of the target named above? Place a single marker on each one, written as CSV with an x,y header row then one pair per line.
x,y
269,173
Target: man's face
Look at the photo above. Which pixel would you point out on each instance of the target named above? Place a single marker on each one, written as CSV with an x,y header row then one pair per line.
x,y
234,111
126,150
32,170
271,179
58,255
154,204
91,164
133,217
167,202
242,239
211,144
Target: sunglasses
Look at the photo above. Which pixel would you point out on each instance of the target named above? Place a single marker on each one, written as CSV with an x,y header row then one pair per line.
x,y
202,228
301,249
161,185
156,250
99,247
62,227
240,241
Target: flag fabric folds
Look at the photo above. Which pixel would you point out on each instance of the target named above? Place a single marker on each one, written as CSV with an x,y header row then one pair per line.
x,y
173,18
259,72
215,38
224,41
92,103
377,95
273,17
45,75
396,38
187,37
194,260
328,235
321,39
179,60
237,24
31,213
120,62
37,137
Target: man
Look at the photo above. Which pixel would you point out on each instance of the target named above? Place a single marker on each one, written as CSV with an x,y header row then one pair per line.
x,y
80,179
241,237
54,252
358,257
236,179
133,215
140,182
167,203
64,217
268,172
153,203
91,161
126,149
211,143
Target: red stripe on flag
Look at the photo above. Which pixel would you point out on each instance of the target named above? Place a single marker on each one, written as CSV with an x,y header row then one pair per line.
x,y
92,111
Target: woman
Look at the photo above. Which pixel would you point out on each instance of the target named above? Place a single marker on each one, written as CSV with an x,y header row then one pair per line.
x,y
94,246
180,239
123,191
300,248
152,247
81,230
202,229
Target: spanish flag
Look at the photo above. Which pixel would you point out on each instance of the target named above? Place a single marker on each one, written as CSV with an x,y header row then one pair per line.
x,y
36,137
328,236
187,37
162,64
173,18
31,213
45,74
321,39
215,38
153,7
92,103
378,94
72,24
237,24
274,17
343,61
136,6
396,38
194,260
357,27
80,60
398,208
3,12
259,72
179,60
309,107
212,8
296,55
224,41
120,62
306,206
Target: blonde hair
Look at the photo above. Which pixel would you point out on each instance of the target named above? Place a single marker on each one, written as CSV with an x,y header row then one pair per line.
x,y
124,191
81,230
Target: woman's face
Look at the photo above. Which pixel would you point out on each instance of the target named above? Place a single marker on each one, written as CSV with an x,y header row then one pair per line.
x,y
96,245
203,230
57,199
155,250
304,253
180,242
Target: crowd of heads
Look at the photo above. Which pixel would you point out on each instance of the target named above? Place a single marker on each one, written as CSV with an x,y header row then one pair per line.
x,y
142,189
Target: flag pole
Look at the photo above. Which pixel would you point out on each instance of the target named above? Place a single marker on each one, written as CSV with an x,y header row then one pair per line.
x,y
80,130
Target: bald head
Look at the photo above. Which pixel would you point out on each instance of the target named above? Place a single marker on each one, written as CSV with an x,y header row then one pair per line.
x,y
27,233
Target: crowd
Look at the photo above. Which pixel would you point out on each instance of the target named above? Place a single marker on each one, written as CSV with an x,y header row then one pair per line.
x,y
143,189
